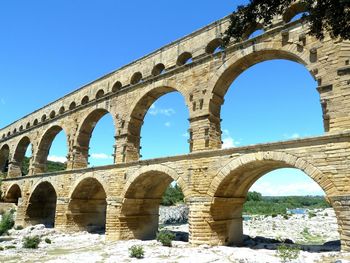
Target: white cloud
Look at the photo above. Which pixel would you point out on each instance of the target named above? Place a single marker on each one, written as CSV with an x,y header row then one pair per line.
x,y
268,189
167,124
2,101
55,158
292,136
101,156
154,110
227,140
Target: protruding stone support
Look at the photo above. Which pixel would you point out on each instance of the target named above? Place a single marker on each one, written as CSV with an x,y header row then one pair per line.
x,y
132,219
80,157
20,213
62,221
128,148
205,133
215,221
341,206
14,169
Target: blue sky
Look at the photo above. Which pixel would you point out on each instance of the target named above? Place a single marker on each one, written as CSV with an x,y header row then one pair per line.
x,y
50,48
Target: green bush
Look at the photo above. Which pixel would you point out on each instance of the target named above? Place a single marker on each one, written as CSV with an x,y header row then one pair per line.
x,y
166,238
311,214
1,249
287,253
48,240
31,242
172,196
18,227
10,247
136,251
6,223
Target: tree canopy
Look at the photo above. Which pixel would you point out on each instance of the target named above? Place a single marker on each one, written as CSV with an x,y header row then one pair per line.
x,y
332,16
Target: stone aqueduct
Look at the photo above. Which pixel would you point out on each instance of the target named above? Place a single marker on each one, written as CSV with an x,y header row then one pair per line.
x,y
124,198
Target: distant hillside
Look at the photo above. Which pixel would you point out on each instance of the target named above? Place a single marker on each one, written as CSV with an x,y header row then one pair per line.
x,y
51,166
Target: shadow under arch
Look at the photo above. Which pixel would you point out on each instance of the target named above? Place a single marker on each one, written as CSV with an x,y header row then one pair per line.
x,y
13,194
87,207
43,149
81,156
231,184
138,112
142,196
4,159
41,207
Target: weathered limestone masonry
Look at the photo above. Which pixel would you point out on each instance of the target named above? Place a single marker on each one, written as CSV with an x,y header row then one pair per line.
x,y
124,198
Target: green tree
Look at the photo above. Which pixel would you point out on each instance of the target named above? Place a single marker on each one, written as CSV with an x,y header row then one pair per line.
x,y
172,195
332,16
254,196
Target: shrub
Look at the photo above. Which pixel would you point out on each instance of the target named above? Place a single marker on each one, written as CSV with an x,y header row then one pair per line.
x,y
6,223
172,196
287,253
285,216
312,214
18,227
10,247
31,242
1,249
136,251
48,240
165,237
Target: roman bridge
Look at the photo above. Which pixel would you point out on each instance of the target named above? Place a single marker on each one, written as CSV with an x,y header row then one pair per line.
x,y
124,198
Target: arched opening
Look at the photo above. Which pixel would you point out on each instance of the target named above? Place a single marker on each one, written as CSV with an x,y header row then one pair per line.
x,y
52,114
141,205
42,205
96,139
21,158
184,58
72,105
255,30
85,100
158,69
260,105
295,12
269,218
117,86
35,122
87,208
4,160
100,93
43,118
161,114
13,194
52,151
62,110
214,46
21,128
136,78
28,125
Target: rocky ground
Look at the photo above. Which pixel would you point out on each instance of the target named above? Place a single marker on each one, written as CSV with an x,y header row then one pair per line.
x,y
260,246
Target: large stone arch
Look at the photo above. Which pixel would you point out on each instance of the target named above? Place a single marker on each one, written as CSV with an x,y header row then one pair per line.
x,y
42,150
13,194
82,141
229,188
87,206
137,112
41,208
226,74
18,157
142,195
4,159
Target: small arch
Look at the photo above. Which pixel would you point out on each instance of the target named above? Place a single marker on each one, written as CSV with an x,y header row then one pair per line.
x,y
3,136
35,122
136,78
42,205
88,206
100,93
52,114
116,86
158,69
21,128
214,46
256,29
184,58
8,134
13,194
72,106
61,110
85,100
295,9
28,125
14,131
43,118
